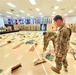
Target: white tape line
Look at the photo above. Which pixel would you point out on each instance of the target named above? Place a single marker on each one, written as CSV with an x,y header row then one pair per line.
x,y
7,71
44,70
7,55
20,57
42,64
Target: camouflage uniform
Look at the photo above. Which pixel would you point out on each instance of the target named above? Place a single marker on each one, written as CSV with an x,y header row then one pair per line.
x,y
45,43
62,46
50,34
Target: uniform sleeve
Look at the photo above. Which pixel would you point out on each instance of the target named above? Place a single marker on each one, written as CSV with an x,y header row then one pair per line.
x,y
58,42
52,35
62,41
45,42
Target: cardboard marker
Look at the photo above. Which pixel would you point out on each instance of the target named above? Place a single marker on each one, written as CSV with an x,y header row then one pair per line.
x,y
8,41
0,37
15,67
36,44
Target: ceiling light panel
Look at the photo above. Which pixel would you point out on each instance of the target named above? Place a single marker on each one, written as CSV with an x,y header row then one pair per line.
x,y
65,14
9,12
40,13
37,9
28,14
32,2
42,16
54,12
22,11
12,5
70,11
8,16
59,0
0,14
17,15
31,16
56,7
52,15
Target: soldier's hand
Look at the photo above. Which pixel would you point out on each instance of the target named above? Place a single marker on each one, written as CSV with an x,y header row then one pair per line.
x,y
44,49
59,55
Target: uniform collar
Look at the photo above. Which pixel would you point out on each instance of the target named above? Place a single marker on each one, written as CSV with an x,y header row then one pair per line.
x,y
61,27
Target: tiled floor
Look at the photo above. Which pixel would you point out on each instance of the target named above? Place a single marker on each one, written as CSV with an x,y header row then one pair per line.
x,y
10,56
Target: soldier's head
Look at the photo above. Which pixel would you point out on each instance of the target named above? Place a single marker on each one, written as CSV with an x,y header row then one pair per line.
x,y
58,21
45,34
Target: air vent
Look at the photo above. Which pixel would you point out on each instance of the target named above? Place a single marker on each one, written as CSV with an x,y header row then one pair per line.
x,y
12,10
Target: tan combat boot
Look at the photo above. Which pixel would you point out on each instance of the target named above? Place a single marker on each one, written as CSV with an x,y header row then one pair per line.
x,y
65,69
55,70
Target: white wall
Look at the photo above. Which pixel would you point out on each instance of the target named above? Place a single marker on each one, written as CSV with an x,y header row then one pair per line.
x,y
71,19
49,27
1,22
5,20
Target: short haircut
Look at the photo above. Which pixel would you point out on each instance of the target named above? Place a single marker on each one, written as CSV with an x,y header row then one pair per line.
x,y
44,33
58,17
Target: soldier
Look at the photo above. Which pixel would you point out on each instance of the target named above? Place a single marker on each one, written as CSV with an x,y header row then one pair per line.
x,y
47,36
62,39
45,39
50,35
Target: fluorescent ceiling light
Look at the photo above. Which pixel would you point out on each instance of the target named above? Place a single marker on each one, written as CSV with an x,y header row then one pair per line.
x,y
53,15
9,12
42,16
75,6
23,17
8,16
70,11
40,13
10,4
59,0
32,2
31,16
65,14
17,15
22,11
28,14
0,14
54,12
56,7
37,9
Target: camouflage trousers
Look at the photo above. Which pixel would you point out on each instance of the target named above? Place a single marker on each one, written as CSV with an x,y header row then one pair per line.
x,y
61,61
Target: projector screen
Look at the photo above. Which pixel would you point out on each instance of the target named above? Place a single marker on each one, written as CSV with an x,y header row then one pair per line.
x,y
1,22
